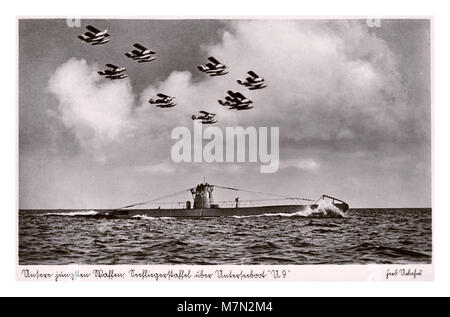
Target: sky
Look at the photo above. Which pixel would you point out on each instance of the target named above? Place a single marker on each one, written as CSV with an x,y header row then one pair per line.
x,y
352,103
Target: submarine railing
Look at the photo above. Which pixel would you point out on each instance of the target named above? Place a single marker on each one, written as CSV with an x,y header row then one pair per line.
x,y
221,204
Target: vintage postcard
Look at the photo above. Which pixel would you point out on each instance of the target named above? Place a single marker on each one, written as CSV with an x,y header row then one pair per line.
x,y
225,149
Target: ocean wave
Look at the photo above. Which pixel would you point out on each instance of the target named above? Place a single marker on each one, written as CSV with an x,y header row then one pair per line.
x,y
92,240
388,250
263,246
313,223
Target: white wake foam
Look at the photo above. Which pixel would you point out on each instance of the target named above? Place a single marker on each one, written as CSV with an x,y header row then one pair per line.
x,y
324,208
145,217
73,213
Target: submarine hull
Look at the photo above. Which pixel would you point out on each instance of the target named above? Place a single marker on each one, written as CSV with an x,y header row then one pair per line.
x,y
220,212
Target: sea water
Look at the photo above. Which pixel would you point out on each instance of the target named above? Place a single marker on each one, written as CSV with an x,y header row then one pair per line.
x,y
364,236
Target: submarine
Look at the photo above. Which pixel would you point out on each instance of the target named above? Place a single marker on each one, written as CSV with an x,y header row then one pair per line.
x,y
204,205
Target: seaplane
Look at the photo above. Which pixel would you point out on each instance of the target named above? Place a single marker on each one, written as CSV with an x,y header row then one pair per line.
x,y
214,68
163,101
237,101
94,36
206,117
228,101
141,54
254,82
114,72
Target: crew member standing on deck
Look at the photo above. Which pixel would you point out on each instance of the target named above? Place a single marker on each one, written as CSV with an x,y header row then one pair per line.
x,y
237,202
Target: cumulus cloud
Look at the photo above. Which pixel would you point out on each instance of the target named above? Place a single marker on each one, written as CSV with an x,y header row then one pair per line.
x,y
328,81
161,168
309,165
97,111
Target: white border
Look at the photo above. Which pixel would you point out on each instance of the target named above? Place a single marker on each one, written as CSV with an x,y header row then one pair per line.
x,y
225,273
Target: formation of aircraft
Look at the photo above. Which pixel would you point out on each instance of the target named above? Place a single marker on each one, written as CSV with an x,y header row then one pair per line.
x,y
206,117
94,36
214,68
114,72
163,101
254,82
141,54
234,100
237,101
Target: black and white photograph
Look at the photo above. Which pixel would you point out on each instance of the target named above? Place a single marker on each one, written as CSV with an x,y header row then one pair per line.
x,y
224,141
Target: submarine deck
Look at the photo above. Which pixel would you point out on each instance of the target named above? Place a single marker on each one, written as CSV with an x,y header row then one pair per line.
x,y
216,212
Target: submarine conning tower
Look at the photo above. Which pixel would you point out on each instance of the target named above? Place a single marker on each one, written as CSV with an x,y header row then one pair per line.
x,y
203,197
